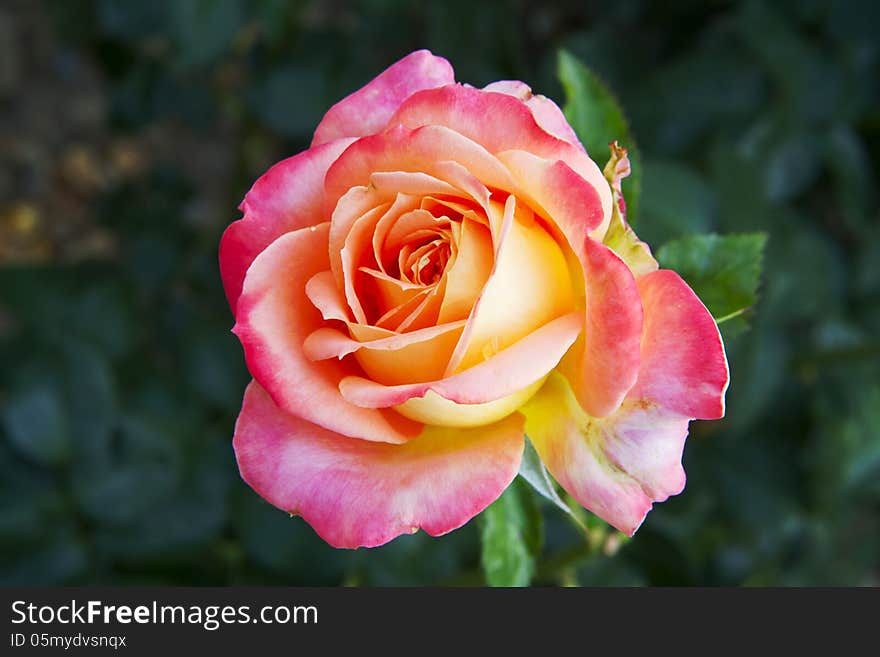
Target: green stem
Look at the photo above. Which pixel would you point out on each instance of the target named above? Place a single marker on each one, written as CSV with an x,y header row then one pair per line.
x,y
735,313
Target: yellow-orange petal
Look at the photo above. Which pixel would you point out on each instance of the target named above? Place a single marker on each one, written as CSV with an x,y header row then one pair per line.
x,y
434,410
274,316
467,276
530,285
387,357
511,370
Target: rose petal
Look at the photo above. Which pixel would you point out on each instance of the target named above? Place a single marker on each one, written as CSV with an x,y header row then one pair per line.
x,y
356,245
427,312
426,150
546,112
510,370
467,276
367,110
684,367
395,317
604,363
353,205
413,183
647,442
390,358
357,257
274,318
387,292
357,493
289,196
616,466
412,223
498,122
360,200
574,204
529,286
325,296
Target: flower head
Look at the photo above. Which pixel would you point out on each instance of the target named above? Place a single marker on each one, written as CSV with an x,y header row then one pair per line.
x,y
444,270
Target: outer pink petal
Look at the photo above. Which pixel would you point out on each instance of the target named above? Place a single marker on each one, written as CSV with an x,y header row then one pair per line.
x,y
576,205
289,196
357,493
275,316
498,122
604,363
367,110
616,466
546,112
684,367
423,150
646,442
505,373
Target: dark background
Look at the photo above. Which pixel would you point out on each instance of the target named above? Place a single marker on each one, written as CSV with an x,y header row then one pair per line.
x,y
131,130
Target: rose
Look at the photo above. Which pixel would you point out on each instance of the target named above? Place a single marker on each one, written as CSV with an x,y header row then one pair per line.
x,y
444,270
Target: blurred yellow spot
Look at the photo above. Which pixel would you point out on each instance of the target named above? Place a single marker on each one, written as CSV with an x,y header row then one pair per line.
x,y
23,218
81,170
126,158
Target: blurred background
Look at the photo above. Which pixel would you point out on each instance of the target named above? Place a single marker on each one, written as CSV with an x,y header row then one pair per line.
x,y
130,131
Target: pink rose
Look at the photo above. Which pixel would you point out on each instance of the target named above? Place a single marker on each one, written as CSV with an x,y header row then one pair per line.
x,y
442,272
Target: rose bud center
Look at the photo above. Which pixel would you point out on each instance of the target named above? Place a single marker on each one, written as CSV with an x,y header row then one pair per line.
x,y
476,278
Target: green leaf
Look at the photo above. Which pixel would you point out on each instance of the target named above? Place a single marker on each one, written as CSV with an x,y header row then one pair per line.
x,y
793,165
532,470
512,534
724,270
597,118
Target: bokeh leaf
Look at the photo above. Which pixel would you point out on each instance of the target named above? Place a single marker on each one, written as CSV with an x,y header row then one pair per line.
x,y
512,535
203,29
290,100
852,172
676,201
36,424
